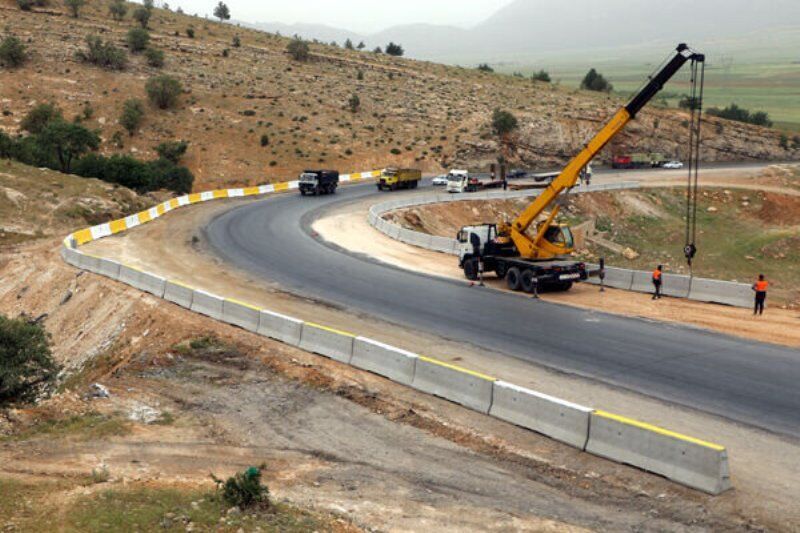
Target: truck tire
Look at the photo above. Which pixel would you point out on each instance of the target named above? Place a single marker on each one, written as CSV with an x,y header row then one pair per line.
x,y
414,184
501,270
528,281
302,192
562,286
513,279
471,269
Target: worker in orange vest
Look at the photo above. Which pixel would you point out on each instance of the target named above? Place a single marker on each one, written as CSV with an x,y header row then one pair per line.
x,y
760,287
657,273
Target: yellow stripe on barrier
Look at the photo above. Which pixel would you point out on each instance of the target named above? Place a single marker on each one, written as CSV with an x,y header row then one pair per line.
x,y
656,429
179,284
355,177
221,193
133,268
281,187
83,236
250,191
161,209
326,328
457,368
144,217
194,198
173,204
237,302
118,226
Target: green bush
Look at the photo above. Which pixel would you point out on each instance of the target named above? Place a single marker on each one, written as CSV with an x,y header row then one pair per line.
x,y
132,115
25,5
103,54
503,122
237,42
155,57
141,176
265,140
118,9
594,81
27,367
163,91
484,67
74,7
243,489
298,50
67,141
542,75
394,50
222,12
142,16
39,117
172,150
354,103
12,52
138,39
190,33
739,114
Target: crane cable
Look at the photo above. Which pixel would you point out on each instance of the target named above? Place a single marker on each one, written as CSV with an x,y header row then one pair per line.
x,y
698,70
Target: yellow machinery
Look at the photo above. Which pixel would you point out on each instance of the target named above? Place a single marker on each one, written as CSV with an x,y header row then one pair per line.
x,y
404,178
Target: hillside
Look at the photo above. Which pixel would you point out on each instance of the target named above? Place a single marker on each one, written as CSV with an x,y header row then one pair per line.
x,y
412,113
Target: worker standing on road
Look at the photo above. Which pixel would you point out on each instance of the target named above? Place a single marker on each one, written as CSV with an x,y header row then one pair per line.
x,y
760,287
657,273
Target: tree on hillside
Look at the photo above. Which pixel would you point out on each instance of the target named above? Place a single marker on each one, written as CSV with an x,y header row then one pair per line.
x,y
74,7
132,115
118,10
740,114
222,12
149,4
142,16
378,50
542,75
39,117
503,122
103,54
484,67
12,52
348,44
298,49
172,150
155,57
594,81
354,103
138,39
361,45
68,140
394,50
26,365
163,91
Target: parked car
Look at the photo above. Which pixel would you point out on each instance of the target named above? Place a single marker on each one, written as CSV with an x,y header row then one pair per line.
x,y
672,164
516,174
440,181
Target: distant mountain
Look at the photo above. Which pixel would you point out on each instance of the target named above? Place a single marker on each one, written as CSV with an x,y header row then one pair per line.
x,y
320,32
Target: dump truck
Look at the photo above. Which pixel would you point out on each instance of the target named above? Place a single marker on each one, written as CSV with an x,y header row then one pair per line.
x,y
532,251
393,179
463,181
318,182
639,160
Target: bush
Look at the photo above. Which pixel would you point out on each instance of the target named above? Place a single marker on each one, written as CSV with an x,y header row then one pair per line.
x,y
142,16
243,489
137,175
237,42
138,38
132,115
348,44
542,75
687,102
298,50
74,7
155,57
103,54
394,50
739,114
12,52
163,91
25,5
265,140
118,9
190,33
784,141
484,67
222,12
503,122
26,364
39,117
172,150
67,141
594,81
354,103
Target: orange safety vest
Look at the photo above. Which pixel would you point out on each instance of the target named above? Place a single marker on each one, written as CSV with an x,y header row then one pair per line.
x,y
761,286
656,275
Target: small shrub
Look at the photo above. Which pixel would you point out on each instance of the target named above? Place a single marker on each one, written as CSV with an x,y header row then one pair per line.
x,y
103,54
354,103
39,117
25,5
12,52
484,67
190,33
394,50
298,50
118,9
163,91
138,39
132,115
142,16
784,141
396,151
542,75
172,150
225,52
594,81
360,75
243,489
74,7
155,57
503,122
237,42
265,140
27,367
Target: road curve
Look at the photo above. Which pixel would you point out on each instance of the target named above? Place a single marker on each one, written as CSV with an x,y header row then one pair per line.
x,y
748,382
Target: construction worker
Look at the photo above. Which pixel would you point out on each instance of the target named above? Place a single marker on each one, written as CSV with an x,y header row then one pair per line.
x,y
760,287
657,274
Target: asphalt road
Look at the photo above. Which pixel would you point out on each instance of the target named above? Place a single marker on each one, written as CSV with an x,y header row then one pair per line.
x,y
749,382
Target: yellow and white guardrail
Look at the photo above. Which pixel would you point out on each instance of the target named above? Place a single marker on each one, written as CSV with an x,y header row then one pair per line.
x,y
683,459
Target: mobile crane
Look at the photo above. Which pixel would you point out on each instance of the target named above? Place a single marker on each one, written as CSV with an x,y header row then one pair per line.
x,y
537,258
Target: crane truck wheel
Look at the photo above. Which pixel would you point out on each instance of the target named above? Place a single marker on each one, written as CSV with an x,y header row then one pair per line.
x,y
471,269
514,279
528,281
501,270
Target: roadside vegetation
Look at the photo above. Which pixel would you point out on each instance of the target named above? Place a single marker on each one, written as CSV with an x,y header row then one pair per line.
x,y
27,367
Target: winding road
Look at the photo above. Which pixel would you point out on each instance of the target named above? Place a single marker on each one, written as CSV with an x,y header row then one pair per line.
x,y
748,382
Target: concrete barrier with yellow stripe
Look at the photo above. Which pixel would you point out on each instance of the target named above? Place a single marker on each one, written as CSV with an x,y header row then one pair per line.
x,y
683,459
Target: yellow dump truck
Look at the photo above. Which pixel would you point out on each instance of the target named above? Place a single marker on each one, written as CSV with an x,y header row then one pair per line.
x,y
404,178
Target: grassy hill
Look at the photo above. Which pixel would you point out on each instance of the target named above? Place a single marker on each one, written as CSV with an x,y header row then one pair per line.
x,y
252,114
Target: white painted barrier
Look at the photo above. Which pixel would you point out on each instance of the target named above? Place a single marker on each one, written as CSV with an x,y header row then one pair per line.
x,y
241,314
558,419
382,359
207,304
686,460
619,278
89,262
151,283
71,256
326,341
450,382
676,285
279,327
642,281
179,294
109,269
722,292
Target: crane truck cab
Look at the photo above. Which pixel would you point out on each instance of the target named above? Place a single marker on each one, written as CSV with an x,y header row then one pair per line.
x,y
457,181
318,182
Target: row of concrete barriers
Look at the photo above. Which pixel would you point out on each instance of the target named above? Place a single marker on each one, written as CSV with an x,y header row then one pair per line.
x,y
686,460
675,285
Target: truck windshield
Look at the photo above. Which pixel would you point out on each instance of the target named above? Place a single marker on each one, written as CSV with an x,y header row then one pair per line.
x,y
455,177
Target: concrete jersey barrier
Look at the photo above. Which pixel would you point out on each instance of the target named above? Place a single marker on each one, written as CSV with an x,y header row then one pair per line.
x,y
327,341
280,327
178,293
241,314
722,292
384,360
686,460
459,385
207,304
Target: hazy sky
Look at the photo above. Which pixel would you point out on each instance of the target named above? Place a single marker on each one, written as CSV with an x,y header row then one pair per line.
x,y
364,16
